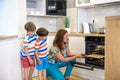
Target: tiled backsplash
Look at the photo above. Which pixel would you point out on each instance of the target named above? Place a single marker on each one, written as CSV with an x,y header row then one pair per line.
x,y
97,13
50,23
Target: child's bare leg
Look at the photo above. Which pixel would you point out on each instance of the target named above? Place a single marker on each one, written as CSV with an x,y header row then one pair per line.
x,y
40,75
26,73
31,72
44,74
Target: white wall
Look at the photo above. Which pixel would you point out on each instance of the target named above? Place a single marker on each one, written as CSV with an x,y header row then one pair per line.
x,y
8,20
12,20
12,17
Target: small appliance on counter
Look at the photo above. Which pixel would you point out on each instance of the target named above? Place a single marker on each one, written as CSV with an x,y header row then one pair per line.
x,y
101,30
88,27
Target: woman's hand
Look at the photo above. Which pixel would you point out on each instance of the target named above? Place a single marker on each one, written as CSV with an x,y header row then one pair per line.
x,y
81,55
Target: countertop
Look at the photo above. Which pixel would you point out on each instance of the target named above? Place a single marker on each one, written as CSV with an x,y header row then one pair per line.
x,y
3,37
80,34
51,16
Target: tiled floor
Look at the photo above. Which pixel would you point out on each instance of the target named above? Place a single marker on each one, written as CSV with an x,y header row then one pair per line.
x,y
72,78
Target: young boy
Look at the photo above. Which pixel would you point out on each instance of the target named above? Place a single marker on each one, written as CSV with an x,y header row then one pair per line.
x,y
27,54
41,52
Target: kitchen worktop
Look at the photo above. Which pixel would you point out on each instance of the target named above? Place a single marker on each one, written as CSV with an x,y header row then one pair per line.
x,y
3,37
80,34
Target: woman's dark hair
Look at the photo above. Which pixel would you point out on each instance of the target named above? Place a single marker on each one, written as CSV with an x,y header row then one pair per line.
x,y
42,32
30,26
58,40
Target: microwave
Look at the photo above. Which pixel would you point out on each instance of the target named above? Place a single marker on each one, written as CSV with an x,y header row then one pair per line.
x,y
56,7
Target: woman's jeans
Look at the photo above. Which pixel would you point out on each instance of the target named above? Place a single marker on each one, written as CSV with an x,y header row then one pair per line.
x,y
54,72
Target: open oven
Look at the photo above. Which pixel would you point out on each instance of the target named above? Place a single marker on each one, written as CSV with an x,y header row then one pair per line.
x,y
95,51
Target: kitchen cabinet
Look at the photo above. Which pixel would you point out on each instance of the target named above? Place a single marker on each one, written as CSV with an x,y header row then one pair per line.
x,y
100,1
83,3
112,48
36,7
77,45
10,59
50,41
90,3
103,1
46,7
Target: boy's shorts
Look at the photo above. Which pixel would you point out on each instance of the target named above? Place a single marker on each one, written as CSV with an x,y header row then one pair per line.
x,y
42,66
26,63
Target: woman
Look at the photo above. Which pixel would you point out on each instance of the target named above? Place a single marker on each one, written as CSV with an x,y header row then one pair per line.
x,y
60,56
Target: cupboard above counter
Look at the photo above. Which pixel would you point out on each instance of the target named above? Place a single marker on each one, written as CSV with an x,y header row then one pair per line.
x,y
46,7
36,7
104,1
91,3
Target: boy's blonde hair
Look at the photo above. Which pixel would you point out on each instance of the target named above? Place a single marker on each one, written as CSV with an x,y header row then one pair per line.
x,y
30,26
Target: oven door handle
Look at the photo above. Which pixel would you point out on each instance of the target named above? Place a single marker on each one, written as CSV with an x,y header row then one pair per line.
x,y
82,65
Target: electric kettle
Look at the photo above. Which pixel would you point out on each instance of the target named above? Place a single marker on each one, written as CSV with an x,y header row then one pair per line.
x,y
88,27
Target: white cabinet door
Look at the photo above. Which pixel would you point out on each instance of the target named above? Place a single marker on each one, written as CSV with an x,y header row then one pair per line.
x,y
36,7
116,0
50,41
83,3
10,63
102,1
77,44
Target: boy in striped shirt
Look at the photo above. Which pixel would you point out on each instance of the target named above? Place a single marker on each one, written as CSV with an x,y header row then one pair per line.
x,y
27,53
41,52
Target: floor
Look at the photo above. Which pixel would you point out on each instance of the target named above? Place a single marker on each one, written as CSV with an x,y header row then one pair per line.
x,y
72,78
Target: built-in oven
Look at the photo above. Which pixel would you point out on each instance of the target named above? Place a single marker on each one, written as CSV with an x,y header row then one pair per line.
x,y
95,51
56,7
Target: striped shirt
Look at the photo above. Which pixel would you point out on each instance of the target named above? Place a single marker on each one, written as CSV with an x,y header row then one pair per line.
x,y
41,47
29,43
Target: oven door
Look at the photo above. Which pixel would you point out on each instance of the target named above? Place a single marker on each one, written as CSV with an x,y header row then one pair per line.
x,y
83,65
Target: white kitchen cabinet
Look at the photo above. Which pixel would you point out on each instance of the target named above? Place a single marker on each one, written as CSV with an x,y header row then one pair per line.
x,y
103,1
90,3
77,45
83,3
36,7
10,64
50,41
116,0
100,1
